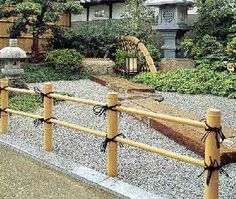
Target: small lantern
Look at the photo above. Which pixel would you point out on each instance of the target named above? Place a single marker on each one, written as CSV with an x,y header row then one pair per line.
x,y
11,56
131,66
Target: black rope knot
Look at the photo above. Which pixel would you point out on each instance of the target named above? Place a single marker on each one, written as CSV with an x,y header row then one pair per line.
x,y
3,88
40,121
214,166
42,94
219,135
105,142
100,110
3,110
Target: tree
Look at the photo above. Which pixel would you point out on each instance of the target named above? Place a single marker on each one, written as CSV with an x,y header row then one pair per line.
x,y
36,17
214,33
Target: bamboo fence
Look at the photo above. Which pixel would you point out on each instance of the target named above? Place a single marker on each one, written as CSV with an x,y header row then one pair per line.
x,y
25,40
211,163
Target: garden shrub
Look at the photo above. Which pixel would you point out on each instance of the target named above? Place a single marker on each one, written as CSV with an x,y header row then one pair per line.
x,y
200,80
64,59
121,56
214,33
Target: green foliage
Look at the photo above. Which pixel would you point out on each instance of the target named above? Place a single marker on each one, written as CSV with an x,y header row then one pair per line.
x,y
25,103
99,38
64,59
41,73
36,16
121,56
192,81
214,33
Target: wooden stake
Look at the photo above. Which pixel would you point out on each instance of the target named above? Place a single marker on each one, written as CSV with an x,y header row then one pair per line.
x,y
212,153
112,129
4,105
48,103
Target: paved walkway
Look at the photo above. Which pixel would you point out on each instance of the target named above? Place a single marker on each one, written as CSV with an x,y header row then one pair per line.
x,y
21,177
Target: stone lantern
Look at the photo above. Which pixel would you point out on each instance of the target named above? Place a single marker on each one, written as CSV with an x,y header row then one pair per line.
x,y
172,22
11,69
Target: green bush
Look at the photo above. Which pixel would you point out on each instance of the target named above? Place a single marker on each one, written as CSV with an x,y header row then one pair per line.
x,y
41,73
200,80
64,59
121,56
214,32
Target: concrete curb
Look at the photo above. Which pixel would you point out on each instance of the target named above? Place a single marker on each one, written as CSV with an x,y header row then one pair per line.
x,y
74,170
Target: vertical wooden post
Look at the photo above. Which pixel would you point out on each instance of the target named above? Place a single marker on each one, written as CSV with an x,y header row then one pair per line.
x,y
112,129
48,103
4,105
211,151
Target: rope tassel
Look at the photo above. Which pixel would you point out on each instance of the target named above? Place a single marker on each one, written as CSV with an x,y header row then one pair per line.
x,y
214,166
219,135
101,110
105,142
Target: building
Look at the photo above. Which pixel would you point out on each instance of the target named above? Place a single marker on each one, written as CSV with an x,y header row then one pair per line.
x,y
95,10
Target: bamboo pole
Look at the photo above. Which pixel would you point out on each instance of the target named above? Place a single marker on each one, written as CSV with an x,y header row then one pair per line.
x,y
112,129
24,114
174,119
74,99
212,153
4,105
48,103
131,143
79,128
19,90
162,152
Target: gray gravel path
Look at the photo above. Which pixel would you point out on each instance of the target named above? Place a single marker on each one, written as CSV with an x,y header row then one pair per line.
x,y
198,104
153,173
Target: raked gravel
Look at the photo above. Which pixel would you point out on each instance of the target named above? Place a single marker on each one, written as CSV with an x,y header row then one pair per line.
x,y
198,104
154,173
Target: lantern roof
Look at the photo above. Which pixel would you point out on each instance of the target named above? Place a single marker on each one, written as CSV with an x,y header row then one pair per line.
x,y
169,2
12,52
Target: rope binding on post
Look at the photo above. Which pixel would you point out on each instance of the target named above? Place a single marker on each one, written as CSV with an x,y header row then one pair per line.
x,y
105,142
101,110
214,165
42,94
3,110
219,135
40,121
3,88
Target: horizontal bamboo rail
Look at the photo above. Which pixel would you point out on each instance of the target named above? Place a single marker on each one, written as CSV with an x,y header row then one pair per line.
x,y
173,119
162,152
132,143
19,90
150,114
74,99
134,111
24,114
78,128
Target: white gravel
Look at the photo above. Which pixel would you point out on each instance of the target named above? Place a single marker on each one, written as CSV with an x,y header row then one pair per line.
x,y
199,104
157,174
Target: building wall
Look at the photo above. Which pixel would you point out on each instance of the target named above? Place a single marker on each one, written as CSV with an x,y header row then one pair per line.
x,y
118,10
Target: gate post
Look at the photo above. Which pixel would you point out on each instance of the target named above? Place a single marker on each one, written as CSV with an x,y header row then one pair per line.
x,y
112,129
48,103
4,105
212,154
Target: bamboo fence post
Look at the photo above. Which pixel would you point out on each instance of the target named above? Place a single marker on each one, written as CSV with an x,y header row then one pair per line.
x,y
4,105
212,153
112,129
48,103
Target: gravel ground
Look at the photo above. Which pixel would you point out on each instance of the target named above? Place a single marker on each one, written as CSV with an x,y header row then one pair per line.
x,y
198,104
157,174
